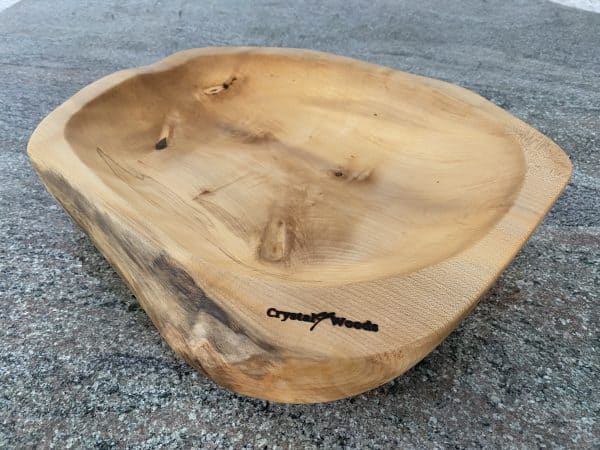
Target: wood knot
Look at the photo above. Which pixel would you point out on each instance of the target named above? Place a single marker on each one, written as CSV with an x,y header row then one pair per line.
x,y
351,175
275,245
337,173
213,90
166,131
161,144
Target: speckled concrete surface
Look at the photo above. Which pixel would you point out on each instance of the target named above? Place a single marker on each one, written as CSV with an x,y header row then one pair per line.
x,y
82,366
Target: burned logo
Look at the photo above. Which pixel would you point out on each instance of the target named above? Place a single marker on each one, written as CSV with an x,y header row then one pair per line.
x,y
317,318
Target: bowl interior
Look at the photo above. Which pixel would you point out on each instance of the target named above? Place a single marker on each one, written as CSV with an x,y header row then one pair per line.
x,y
308,170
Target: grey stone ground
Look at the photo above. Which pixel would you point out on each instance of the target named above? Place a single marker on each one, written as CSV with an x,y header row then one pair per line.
x,y
82,366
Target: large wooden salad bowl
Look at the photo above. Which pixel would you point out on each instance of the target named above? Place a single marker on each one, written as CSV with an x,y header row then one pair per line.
x,y
300,226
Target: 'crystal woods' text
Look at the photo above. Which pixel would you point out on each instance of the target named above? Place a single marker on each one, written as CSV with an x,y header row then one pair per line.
x,y
317,318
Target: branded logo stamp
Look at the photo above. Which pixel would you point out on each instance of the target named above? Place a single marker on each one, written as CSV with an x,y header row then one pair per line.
x,y
317,318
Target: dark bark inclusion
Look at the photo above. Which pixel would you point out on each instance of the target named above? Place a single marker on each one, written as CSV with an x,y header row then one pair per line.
x,y
185,291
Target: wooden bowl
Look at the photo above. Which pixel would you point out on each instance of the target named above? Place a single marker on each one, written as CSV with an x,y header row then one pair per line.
x,y
300,226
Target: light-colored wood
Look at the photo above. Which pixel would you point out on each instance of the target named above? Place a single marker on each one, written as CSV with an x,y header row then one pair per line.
x,y
230,187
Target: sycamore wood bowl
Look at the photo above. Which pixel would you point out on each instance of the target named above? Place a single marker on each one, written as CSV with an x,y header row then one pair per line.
x,y
300,226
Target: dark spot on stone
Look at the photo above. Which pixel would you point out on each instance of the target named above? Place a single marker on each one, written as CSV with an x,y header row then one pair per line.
x,y
162,144
338,173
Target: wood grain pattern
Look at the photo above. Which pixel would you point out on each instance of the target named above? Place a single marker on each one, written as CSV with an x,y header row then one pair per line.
x,y
300,226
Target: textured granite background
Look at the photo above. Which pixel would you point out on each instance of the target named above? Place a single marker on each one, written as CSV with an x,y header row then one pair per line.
x,y
82,366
